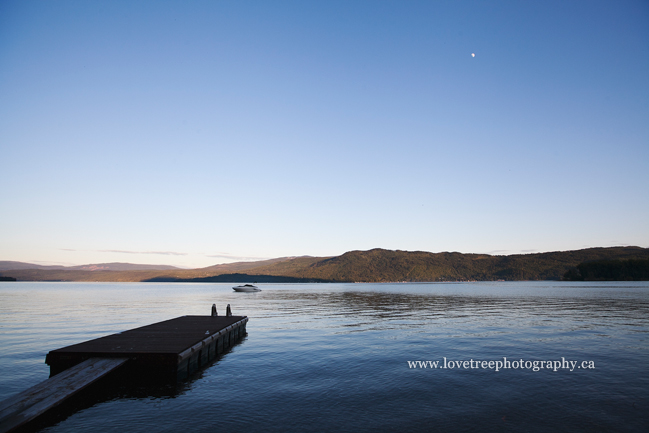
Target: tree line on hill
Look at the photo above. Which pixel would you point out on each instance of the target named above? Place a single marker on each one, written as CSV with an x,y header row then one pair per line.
x,y
610,270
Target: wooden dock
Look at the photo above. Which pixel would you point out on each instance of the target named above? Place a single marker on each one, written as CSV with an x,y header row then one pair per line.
x,y
177,346
172,349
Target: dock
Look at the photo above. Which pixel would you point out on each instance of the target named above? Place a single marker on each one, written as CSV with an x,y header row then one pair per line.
x,y
172,349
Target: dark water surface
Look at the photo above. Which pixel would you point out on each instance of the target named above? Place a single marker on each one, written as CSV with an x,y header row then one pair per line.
x,y
334,357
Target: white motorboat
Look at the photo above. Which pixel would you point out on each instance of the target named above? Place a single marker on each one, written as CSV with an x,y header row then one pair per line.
x,y
246,288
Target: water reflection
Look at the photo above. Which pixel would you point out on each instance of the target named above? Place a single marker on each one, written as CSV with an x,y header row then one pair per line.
x,y
419,308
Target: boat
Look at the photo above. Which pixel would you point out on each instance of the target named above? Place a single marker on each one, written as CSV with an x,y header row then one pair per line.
x,y
246,288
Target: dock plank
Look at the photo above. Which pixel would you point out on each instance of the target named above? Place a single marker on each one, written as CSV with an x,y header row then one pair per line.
x,y
27,405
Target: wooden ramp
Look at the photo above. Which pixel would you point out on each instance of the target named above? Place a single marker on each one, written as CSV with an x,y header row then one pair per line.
x,y
19,409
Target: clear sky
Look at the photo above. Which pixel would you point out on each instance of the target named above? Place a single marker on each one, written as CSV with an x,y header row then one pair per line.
x,y
200,132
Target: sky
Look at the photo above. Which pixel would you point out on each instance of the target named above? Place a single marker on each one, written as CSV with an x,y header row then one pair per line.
x,y
192,133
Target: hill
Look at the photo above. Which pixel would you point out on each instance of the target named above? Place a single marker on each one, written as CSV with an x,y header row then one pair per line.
x,y
610,270
116,266
377,265
8,265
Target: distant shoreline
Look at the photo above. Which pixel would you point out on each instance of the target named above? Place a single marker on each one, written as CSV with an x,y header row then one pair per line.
x,y
374,266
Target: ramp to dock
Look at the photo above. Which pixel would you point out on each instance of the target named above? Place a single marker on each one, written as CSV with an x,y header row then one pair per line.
x,y
19,409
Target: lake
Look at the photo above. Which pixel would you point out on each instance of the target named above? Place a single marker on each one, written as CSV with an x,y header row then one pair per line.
x,y
334,357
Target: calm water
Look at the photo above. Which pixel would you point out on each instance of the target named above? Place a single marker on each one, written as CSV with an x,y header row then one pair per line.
x,y
333,357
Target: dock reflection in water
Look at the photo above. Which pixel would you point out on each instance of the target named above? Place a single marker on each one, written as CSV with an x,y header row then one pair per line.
x,y
333,357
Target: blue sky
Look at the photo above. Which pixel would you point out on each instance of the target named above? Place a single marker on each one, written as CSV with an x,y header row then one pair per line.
x,y
196,133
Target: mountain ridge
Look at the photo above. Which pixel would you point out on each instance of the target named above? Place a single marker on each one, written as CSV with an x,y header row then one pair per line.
x,y
112,266
376,265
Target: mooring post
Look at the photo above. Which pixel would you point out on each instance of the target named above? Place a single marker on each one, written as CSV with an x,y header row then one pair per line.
x,y
214,313
228,312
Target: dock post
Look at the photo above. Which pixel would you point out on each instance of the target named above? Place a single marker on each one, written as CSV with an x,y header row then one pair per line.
x,y
214,313
205,354
211,350
182,370
219,345
228,311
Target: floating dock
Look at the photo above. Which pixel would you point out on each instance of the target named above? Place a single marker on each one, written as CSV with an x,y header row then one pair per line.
x,y
172,349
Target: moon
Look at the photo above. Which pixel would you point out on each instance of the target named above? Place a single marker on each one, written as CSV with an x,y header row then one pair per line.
x,y
472,54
